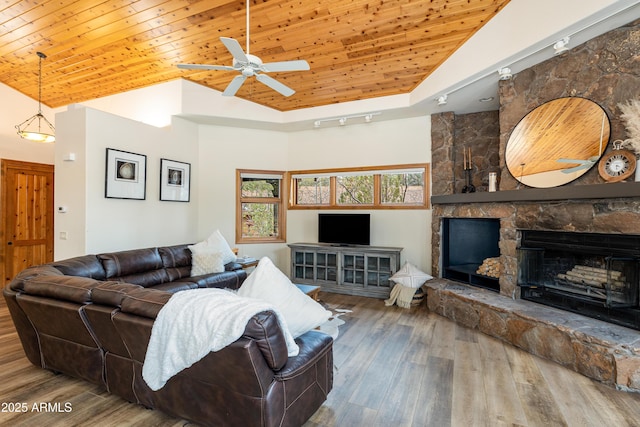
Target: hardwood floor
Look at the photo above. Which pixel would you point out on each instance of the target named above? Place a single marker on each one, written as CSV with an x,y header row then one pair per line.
x,y
393,367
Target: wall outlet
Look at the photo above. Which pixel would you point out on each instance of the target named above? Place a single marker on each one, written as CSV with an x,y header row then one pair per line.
x,y
63,235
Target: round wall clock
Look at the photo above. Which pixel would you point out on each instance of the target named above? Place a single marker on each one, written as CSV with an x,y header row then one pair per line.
x,y
619,164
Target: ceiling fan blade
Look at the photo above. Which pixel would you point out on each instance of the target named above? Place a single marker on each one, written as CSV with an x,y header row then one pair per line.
x,y
235,84
205,67
234,47
575,168
275,85
300,65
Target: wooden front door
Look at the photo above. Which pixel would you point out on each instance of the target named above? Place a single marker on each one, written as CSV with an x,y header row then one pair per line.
x,y
26,202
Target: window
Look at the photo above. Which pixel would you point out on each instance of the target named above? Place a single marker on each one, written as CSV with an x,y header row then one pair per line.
x,y
259,212
381,187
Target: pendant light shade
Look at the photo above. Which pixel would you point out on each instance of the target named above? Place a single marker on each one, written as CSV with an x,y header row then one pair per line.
x,y
37,127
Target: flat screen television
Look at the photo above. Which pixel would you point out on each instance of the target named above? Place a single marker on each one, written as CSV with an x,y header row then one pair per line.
x,y
344,229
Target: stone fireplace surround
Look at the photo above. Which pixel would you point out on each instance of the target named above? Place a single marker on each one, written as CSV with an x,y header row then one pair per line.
x,y
603,70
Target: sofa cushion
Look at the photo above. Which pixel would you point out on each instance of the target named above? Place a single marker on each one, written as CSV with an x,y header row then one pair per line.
x,y
126,263
67,288
111,293
175,256
228,279
176,286
176,260
139,266
150,278
144,302
85,266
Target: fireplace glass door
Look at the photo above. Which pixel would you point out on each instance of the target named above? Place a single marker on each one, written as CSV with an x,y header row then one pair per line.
x,y
588,273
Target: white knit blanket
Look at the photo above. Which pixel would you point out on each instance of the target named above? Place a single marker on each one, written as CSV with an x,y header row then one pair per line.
x,y
195,322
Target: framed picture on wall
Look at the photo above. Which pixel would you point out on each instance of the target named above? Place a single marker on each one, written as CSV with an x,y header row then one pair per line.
x,y
126,175
175,181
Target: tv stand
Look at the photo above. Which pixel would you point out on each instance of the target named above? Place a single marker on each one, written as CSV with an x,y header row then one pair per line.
x,y
353,270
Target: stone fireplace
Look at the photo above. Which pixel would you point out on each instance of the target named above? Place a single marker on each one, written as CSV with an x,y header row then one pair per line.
x,y
592,274
519,313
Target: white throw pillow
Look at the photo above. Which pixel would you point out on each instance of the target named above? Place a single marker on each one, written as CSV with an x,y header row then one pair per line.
x,y
206,262
269,284
410,276
216,243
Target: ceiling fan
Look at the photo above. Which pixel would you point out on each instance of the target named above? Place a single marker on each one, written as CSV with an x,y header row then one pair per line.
x,y
249,66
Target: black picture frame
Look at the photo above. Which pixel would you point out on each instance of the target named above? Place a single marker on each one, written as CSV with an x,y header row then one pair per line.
x,y
125,175
175,181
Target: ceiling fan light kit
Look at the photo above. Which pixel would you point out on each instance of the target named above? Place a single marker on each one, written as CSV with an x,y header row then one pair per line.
x,y
32,128
251,66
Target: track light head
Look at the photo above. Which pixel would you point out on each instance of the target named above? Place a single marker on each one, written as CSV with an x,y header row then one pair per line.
x,y
561,45
505,73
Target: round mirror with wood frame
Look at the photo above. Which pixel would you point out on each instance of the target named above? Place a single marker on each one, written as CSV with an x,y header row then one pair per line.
x,y
557,142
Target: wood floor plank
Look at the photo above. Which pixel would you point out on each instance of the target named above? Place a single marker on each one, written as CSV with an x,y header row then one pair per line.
x,y
435,395
383,369
444,338
394,367
421,339
570,390
538,401
469,406
356,416
397,407
503,404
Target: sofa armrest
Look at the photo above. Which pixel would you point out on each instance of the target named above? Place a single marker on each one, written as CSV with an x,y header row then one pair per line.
x,y
313,346
265,330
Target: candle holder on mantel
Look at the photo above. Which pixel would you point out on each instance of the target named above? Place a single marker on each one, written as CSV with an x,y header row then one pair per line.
x,y
469,187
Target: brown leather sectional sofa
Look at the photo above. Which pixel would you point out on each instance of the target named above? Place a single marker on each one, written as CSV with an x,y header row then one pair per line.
x,y
90,317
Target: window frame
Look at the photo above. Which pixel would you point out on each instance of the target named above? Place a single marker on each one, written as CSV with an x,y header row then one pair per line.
x,y
376,171
281,237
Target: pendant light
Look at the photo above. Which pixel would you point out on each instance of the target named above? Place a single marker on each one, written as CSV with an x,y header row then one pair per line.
x,y
35,132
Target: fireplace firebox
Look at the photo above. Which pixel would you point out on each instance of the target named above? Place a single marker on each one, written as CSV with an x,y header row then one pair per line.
x,y
592,274
468,243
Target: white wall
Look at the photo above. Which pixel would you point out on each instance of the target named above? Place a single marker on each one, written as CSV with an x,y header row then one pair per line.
x,y
225,149
117,224
374,144
222,151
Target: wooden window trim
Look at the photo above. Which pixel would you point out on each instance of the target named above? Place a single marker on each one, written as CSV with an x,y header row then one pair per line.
x,y
280,201
377,203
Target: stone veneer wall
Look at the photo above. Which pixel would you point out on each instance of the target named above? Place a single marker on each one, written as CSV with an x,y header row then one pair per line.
x,y
607,71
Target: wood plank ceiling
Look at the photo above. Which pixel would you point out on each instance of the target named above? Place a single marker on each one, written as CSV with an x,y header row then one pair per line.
x,y
356,49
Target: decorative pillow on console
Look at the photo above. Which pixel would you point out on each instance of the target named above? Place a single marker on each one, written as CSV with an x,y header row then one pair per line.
x,y
269,284
206,261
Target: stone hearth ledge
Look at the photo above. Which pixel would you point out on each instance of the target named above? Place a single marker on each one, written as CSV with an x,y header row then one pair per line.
x,y
599,350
